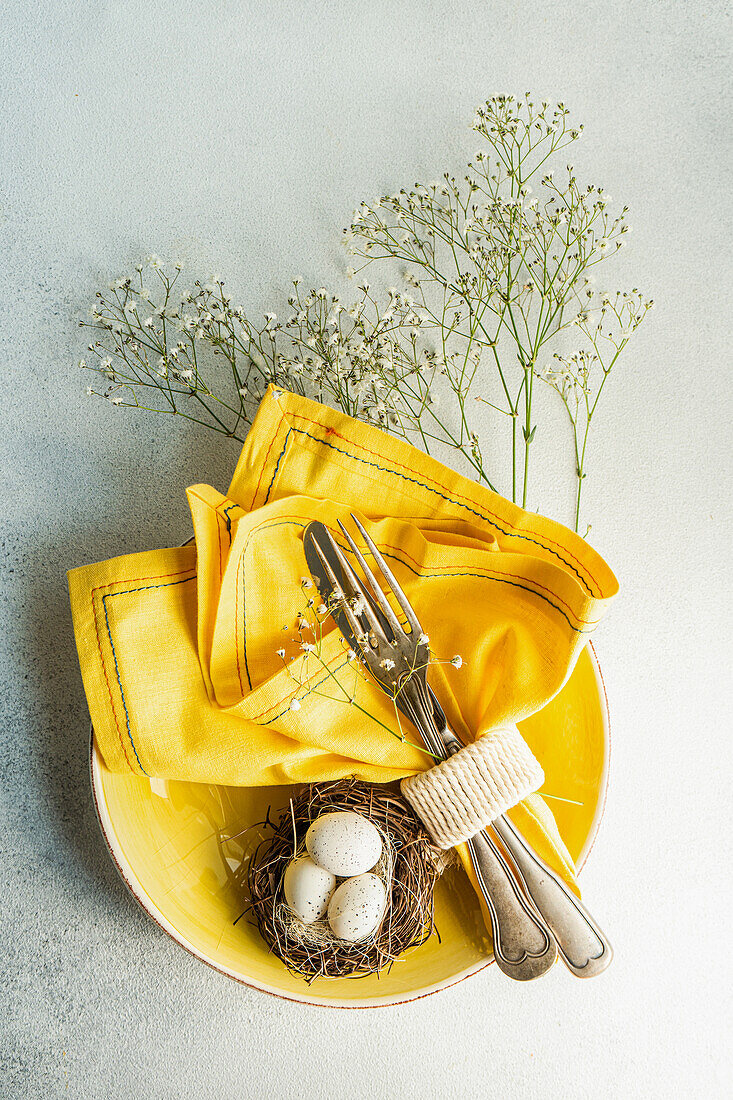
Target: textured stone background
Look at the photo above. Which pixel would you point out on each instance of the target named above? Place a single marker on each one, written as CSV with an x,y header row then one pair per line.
x,y
238,137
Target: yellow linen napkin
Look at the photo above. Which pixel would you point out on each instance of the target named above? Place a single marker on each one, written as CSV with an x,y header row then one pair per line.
x,y
179,647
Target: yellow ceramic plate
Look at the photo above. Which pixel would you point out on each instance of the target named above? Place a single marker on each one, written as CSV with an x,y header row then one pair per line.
x,y
164,838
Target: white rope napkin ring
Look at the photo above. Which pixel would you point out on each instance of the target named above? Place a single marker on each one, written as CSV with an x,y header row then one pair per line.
x,y
463,794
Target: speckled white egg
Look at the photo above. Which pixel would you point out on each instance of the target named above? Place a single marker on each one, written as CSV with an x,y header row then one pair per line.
x,y
308,888
344,843
357,907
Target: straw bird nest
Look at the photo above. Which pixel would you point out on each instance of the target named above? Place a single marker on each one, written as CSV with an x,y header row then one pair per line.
x,y
409,868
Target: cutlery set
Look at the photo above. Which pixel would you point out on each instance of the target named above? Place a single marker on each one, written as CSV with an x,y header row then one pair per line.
x,y
534,916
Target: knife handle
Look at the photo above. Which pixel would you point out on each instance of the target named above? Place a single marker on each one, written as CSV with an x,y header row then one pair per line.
x,y
583,947
524,947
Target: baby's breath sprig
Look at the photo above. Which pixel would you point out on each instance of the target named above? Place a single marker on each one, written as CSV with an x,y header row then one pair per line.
x,y
163,351
579,378
501,263
149,344
313,676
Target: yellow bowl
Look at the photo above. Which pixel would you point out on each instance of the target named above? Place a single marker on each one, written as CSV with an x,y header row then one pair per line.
x,y
165,838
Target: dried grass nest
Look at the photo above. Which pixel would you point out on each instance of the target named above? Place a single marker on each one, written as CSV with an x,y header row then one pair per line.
x,y
409,868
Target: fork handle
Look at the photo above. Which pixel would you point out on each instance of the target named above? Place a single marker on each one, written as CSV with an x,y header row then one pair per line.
x,y
524,947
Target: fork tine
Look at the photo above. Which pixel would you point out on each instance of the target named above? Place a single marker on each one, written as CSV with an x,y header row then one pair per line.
x,y
379,595
358,590
390,578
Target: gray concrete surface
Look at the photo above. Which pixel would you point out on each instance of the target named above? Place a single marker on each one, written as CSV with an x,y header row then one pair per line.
x,y
238,137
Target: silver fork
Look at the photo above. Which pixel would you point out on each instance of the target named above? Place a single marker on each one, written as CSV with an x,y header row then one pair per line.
x,y
582,945
524,947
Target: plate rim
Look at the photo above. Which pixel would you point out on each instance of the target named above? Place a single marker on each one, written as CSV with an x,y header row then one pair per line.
x,y
137,890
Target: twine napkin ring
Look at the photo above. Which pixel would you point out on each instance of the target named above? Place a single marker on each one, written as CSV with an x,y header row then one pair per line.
x,y
463,794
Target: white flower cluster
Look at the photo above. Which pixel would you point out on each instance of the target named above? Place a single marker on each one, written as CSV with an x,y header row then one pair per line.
x,y
503,261
497,271
365,359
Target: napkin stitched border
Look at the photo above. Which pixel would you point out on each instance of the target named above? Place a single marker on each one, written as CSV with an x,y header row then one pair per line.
x,y
473,505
